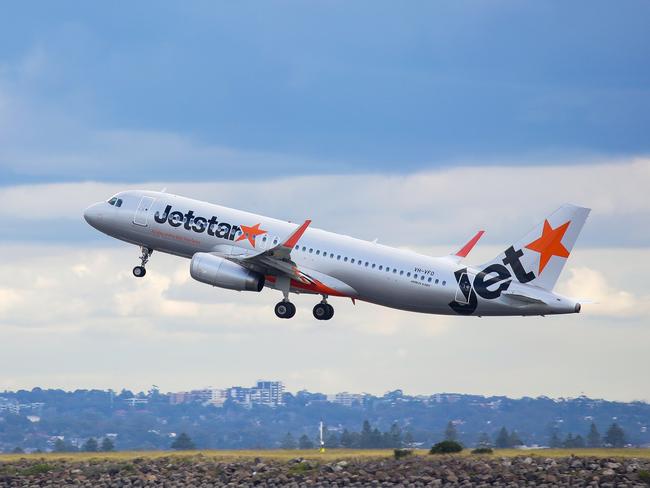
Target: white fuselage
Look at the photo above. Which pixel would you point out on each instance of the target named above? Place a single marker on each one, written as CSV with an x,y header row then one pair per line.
x,y
378,274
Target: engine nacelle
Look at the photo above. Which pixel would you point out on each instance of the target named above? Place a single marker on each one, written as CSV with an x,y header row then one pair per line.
x,y
216,271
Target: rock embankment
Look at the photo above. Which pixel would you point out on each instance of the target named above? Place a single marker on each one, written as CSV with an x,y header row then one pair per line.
x,y
447,471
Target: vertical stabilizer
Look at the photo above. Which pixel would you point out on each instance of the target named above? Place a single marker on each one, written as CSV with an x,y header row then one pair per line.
x,y
539,257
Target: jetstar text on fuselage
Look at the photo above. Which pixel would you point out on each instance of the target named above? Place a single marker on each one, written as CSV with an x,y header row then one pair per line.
x,y
198,224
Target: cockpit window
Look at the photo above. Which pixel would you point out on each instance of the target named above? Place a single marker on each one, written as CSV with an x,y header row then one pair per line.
x,y
118,203
112,201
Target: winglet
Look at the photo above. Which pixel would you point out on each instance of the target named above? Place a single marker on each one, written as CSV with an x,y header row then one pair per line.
x,y
464,251
295,237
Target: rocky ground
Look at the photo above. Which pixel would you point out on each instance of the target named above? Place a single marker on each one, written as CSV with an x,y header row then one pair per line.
x,y
427,470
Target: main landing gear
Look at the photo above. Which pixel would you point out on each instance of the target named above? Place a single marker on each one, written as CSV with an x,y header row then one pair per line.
x,y
322,311
140,271
285,309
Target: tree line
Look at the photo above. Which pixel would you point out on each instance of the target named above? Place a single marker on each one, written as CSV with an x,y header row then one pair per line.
x,y
367,438
91,445
614,437
372,438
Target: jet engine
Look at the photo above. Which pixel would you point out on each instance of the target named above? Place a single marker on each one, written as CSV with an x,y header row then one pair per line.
x,y
216,271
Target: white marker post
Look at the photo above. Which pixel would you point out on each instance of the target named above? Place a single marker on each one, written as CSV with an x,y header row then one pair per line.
x,y
322,442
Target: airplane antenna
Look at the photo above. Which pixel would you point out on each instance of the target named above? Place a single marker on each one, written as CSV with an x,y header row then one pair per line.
x,y
164,190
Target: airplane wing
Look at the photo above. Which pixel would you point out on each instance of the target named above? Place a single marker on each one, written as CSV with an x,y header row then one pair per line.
x,y
276,262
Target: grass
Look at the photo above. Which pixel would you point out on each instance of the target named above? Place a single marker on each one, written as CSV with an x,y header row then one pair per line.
x,y
328,456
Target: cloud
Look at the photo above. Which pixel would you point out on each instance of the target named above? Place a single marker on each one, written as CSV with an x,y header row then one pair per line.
x,y
442,206
73,305
592,285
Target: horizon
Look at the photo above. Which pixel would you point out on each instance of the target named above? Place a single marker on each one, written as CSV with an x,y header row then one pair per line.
x,y
294,392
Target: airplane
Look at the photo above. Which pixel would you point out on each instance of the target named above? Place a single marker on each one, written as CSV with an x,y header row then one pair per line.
x,y
242,251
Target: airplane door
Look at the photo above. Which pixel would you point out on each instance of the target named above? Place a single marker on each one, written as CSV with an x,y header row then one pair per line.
x,y
464,289
141,216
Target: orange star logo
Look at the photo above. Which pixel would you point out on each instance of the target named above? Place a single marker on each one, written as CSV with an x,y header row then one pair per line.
x,y
550,244
250,233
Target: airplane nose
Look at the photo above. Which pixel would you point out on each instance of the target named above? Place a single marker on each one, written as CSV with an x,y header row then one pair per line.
x,y
93,215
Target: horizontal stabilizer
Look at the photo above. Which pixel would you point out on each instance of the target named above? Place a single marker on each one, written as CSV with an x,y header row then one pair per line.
x,y
523,298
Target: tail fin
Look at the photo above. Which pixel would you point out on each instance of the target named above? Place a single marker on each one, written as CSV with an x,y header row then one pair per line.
x,y
538,258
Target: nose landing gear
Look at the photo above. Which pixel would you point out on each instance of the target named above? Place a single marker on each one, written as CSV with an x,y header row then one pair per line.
x,y
140,271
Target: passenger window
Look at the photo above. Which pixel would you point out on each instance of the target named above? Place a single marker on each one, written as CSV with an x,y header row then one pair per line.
x,y
408,274
422,277
317,252
304,248
394,271
359,263
311,249
338,257
331,255
275,241
437,281
373,265
352,260
444,283
429,280
415,276
345,259
401,272
367,264
387,269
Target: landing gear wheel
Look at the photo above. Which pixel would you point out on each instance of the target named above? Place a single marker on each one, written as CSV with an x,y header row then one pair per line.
x,y
139,271
285,310
331,312
323,311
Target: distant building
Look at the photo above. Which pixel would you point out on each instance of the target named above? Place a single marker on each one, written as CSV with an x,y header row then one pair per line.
x,y
269,393
179,397
9,406
348,399
202,396
218,397
133,401
445,398
240,395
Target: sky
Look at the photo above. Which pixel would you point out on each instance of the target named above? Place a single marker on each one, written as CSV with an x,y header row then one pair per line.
x,y
416,124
